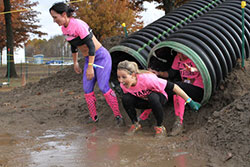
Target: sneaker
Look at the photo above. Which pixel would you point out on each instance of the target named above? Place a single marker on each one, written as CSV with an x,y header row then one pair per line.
x,y
90,120
160,131
177,127
119,121
134,128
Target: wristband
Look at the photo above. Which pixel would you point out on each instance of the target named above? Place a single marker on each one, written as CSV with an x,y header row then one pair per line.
x,y
90,64
188,100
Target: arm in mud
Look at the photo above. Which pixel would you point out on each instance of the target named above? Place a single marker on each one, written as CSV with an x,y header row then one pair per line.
x,y
178,91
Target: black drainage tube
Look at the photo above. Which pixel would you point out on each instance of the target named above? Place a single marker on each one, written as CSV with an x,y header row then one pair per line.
x,y
228,33
156,32
213,42
222,42
235,24
194,52
211,30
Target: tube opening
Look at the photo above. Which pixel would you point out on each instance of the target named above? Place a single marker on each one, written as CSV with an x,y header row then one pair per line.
x,y
159,61
162,56
162,60
119,54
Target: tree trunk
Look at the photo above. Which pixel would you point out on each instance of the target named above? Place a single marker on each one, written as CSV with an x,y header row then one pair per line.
x,y
168,5
11,70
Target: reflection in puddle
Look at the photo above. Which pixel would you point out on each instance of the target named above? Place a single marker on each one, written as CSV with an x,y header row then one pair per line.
x,y
10,153
52,134
96,147
6,139
181,158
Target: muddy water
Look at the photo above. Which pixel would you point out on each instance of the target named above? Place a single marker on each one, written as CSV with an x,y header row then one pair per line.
x,y
91,147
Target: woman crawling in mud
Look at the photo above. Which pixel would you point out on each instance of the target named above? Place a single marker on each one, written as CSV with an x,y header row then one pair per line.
x,y
191,82
144,90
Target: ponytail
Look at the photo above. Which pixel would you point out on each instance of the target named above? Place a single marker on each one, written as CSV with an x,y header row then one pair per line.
x,y
131,67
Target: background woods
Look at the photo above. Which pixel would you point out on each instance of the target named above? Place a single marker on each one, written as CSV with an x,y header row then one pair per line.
x,y
104,17
16,28
23,23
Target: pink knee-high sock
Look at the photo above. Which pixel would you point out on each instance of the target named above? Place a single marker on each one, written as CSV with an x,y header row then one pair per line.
x,y
179,107
145,114
91,102
112,102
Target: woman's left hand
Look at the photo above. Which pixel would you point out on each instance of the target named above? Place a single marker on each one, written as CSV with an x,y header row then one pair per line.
x,y
189,68
90,72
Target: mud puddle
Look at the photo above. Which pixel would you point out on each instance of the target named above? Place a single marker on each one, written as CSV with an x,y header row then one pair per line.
x,y
92,147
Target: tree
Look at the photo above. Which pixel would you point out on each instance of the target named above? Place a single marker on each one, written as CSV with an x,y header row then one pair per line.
x,y
106,16
22,24
166,5
11,71
57,46
35,46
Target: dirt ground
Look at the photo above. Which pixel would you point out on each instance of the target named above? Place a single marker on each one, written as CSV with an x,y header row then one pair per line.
x,y
217,135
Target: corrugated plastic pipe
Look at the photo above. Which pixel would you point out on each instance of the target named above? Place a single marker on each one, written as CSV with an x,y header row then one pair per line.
x,y
213,42
139,44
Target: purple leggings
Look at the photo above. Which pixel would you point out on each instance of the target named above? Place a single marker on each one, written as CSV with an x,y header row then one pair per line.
x,y
102,75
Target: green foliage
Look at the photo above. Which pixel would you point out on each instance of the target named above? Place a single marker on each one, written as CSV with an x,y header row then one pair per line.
x,y
23,23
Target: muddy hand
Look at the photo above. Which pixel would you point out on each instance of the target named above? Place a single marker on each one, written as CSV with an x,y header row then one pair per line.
x,y
194,105
77,69
153,71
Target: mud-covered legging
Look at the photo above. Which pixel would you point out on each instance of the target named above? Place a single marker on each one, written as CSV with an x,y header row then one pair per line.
x,y
155,101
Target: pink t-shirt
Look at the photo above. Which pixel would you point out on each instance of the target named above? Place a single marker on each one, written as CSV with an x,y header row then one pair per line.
x,y
193,78
76,28
146,83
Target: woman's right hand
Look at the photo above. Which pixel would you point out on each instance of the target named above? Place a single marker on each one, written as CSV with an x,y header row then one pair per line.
x,y
153,71
77,69
194,105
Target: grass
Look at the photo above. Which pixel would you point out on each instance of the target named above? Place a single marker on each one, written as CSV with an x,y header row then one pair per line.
x,y
26,73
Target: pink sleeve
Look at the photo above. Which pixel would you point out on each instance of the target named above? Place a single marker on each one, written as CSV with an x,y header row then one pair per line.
x,y
82,29
175,65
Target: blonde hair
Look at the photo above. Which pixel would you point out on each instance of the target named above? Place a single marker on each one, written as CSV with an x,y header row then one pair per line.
x,y
131,67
